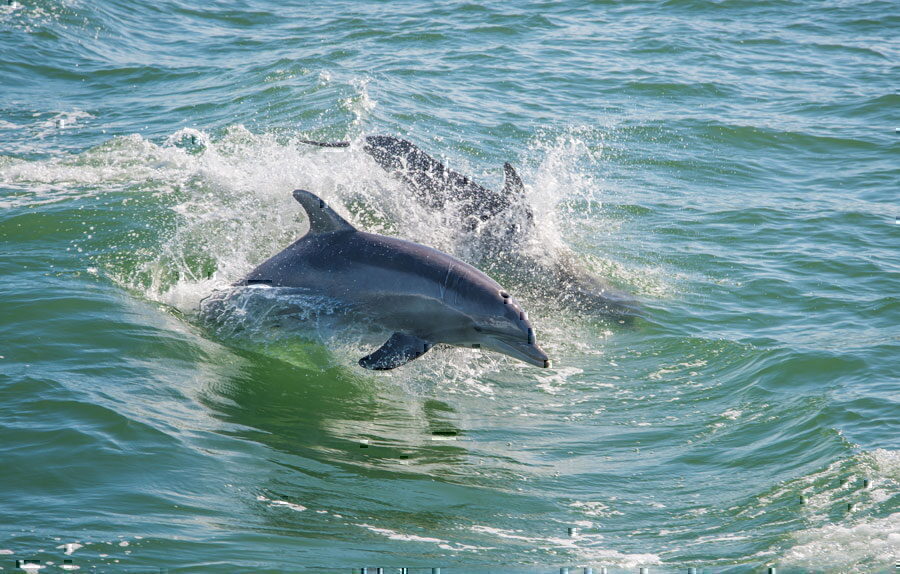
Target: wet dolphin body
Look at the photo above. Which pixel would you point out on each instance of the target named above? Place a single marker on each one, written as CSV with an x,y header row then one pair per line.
x,y
434,185
420,294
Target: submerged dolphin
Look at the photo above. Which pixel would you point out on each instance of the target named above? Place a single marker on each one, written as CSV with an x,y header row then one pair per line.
x,y
420,294
434,185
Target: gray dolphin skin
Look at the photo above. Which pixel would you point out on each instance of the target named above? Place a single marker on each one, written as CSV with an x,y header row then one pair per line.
x,y
421,295
434,185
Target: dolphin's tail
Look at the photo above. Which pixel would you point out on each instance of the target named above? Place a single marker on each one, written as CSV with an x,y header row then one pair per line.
x,y
326,144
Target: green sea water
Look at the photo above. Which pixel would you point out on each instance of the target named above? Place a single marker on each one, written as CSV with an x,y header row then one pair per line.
x,y
732,165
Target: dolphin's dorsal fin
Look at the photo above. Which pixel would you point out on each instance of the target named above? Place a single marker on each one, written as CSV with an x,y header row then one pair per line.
x,y
322,219
397,351
513,183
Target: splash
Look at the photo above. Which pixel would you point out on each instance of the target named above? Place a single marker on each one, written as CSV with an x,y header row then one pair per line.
x,y
359,104
589,547
868,546
58,121
216,205
860,489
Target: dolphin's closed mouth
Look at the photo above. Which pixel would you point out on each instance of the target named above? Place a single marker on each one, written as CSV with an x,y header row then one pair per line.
x,y
528,352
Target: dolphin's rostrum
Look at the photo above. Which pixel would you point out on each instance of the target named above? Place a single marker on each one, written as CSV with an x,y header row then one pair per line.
x,y
421,295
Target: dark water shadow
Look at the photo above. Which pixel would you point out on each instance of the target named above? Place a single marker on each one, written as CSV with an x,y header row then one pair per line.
x,y
354,422
346,455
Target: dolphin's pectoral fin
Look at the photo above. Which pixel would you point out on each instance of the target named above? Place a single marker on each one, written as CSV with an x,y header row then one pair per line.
x,y
512,183
322,219
397,351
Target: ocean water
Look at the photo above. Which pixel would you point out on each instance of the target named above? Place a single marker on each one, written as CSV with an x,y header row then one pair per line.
x,y
732,165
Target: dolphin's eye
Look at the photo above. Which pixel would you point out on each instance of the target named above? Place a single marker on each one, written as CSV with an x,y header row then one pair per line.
x,y
478,329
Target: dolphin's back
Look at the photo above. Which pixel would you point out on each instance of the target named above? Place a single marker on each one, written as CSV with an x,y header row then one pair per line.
x,y
433,183
355,265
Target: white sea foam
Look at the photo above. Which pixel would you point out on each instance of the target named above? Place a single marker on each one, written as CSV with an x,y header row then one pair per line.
x,y
359,104
869,546
59,121
394,535
7,9
731,414
555,382
291,505
70,547
439,542
863,540
280,503
594,508
588,547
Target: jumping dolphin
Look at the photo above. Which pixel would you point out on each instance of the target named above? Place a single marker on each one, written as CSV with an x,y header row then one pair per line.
x,y
421,295
434,185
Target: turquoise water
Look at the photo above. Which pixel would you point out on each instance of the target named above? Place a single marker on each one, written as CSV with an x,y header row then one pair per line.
x,y
733,165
